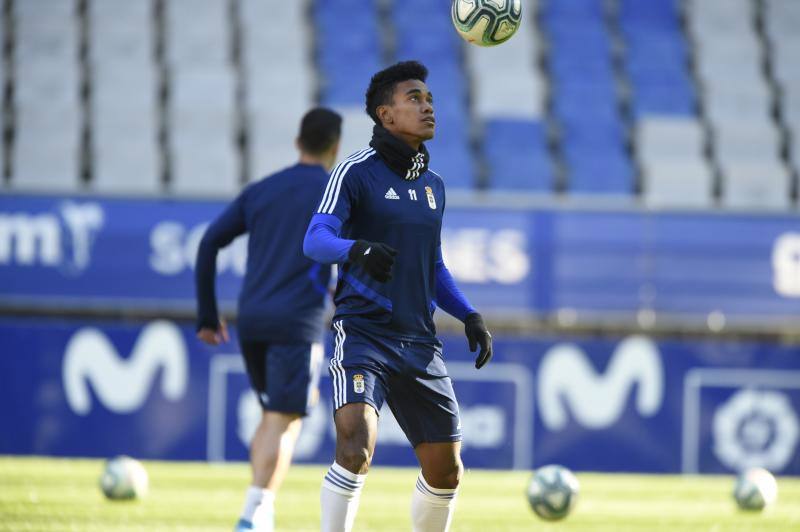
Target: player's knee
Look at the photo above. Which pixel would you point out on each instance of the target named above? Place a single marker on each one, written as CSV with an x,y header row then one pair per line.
x,y
452,477
354,457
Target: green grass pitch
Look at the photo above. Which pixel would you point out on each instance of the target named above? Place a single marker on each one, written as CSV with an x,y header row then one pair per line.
x,y
43,494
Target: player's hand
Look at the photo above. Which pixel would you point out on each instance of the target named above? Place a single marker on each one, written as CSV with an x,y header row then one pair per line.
x,y
478,334
214,336
376,258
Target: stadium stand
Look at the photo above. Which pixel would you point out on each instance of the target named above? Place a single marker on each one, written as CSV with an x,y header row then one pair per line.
x,y
584,98
781,20
343,80
424,32
511,115
737,101
202,117
274,101
678,103
124,80
47,104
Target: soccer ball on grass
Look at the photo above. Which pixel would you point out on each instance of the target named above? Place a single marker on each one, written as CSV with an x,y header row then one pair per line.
x,y
123,478
553,492
486,22
755,489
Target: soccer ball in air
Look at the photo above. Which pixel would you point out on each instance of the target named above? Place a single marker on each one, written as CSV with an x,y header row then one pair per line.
x,y
486,22
553,492
123,478
755,489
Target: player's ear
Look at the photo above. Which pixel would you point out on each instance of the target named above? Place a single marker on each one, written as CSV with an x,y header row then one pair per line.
x,y
384,113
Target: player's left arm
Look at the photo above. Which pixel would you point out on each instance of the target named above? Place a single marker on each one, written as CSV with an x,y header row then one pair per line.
x,y
230,224
453,301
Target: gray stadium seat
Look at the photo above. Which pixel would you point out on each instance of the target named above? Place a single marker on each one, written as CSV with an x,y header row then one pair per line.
x,y
506,80
356,131
47,128
669,139
756,186
747,141
273,128
202,124
197,32
126,154
677,184
47,146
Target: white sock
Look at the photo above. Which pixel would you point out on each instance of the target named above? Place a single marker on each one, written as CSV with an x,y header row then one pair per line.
x,y
264,515
258,502
339,496
431,508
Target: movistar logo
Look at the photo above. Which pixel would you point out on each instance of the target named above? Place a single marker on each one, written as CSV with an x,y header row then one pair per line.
x,y
122,384
569,383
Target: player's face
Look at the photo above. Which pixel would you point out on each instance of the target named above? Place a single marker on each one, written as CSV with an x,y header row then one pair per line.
x,y
410,116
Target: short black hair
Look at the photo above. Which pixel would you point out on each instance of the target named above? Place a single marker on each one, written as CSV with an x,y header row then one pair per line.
x,y
381,86
319,130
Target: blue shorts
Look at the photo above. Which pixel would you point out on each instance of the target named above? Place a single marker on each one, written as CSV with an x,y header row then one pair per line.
x,y
284,376
410,376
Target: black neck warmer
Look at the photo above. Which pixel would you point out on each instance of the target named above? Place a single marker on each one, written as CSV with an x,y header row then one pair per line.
x,y
398,155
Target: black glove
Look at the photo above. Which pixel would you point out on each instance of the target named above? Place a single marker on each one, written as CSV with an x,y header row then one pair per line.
x,y
376,258
477,333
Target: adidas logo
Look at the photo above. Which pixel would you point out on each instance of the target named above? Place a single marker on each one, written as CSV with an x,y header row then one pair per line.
x,y
391,194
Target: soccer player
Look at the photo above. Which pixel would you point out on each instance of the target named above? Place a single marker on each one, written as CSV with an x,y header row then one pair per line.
x,y
281,305
380,219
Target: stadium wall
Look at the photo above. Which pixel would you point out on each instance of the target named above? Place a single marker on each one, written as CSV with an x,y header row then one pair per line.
x,y
105,361
150,390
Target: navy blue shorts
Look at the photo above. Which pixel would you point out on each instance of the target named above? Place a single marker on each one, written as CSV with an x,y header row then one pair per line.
x,y
284,376
411,377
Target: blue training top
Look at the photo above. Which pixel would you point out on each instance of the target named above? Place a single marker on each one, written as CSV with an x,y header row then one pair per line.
x,y
283,294
366,200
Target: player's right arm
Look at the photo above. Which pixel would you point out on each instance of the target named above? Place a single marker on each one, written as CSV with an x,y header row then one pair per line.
x,y
323,242
230,224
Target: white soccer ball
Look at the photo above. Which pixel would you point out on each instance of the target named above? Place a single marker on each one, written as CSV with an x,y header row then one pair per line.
x,y
124,478
486,22
755,489
553,492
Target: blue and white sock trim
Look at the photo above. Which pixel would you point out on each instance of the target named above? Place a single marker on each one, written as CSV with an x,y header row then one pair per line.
x,y
437,493
340,480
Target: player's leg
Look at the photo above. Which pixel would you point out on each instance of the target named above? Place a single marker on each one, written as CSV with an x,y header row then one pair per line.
x,y
358,393
433,500
356,432
285,378
270,456
424,404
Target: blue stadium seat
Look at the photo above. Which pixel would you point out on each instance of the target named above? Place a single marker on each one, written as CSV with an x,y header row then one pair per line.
x,y
454,163
344,80
517,156
599,173
571,9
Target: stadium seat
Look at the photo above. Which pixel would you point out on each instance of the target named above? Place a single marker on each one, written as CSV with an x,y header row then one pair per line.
x,y
124,120
47,148
126,155
197,36
669,139
679,183
47,129
272,128
748,141
202,122
516,155
756,186
344,80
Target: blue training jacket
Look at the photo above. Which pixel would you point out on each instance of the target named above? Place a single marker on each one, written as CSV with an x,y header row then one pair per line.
x,y
283,294
373,203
